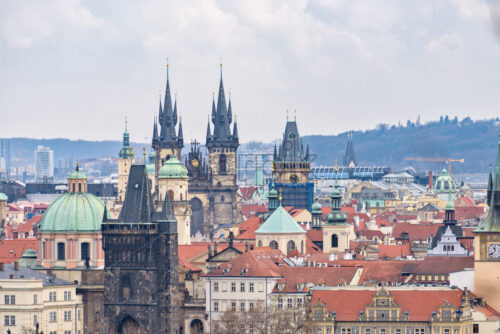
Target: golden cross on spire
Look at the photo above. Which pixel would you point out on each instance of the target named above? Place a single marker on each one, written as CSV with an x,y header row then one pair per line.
x,y
336,165
167,62
220,64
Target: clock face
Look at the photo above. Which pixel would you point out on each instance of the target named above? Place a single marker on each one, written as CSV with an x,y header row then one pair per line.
x,y
494,251
194,163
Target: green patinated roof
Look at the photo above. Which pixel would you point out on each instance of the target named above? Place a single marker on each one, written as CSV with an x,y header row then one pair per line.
x,y
444,183
449,205
73,212
77,175
173,169
280,222
30,253
3,197
316,207
150,168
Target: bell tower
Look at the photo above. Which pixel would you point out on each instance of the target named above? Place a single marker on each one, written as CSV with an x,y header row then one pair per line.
x,y
222,143
487,244
125,157
168,139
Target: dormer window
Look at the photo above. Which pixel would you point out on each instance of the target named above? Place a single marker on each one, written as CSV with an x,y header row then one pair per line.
x,y
281,286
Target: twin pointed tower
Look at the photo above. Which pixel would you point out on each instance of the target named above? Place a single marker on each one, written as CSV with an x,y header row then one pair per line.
x,y
212,187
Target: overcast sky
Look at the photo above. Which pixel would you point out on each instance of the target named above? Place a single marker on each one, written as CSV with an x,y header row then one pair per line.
x,y
75,69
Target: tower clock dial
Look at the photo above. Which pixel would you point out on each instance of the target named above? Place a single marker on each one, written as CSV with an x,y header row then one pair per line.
x,y
194,163
494,251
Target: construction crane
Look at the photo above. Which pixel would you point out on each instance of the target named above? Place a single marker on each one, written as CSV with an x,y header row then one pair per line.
x,y
447,160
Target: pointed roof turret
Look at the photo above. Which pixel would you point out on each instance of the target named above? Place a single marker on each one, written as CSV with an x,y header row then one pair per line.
x,y
221,119
291,149
490,187
125,150
138,205
209,132
229,110
235,129
175,110
492,222
450,210
349,156
180,136
155,132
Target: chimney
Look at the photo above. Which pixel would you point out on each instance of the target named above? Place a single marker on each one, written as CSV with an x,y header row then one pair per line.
x,y
16,266
431,180
1,266
215,248
209,251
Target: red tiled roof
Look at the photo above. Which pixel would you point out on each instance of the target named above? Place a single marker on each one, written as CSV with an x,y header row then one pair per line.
x,y
249,210
465,213
329,276
371,234
415,232
12,250
248,227
256,263
315,235
419,303
247,192
385,271
394,251
443,264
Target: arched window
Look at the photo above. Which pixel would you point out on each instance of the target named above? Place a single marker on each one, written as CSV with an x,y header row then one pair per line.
x,y
79,187
335,241
294,178
61,251
260,243
222,198
222,163
273,244
452,248
171,195
290,246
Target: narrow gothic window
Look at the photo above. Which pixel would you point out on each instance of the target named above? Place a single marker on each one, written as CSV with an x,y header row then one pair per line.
x,y
222,163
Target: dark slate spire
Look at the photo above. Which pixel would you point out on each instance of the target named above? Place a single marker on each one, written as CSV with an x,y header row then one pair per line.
x,y
214,112
235,130
155,132
350,156
138,205
180,135
209,132
291,146
222,118
492,222
275,154
160,112
490,187
307,153
175,110
229,110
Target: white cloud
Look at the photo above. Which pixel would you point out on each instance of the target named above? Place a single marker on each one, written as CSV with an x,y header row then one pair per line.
x,y
28,22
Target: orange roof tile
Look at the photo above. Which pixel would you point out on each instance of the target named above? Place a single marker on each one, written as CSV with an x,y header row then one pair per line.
x,y
12,250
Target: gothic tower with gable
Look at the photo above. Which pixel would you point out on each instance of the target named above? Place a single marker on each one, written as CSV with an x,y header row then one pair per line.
x,y
141,263
487,245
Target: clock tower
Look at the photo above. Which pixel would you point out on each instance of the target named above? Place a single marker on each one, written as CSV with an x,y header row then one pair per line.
x,y
487,244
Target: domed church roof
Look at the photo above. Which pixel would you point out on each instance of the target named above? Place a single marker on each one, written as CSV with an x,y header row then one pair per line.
x,y
444,183
173,169
74,212
3,197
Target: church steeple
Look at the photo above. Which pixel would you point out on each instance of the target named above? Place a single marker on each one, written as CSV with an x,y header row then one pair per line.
x,y
180,135
168,117
125,150
492,222
350,156
222,118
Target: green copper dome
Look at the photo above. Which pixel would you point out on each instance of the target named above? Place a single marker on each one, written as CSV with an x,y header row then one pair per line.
x,y
316,207
77,175
73,212
3,197
173,169
444,183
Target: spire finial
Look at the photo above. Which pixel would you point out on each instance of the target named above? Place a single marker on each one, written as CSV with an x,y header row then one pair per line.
x,y
287,115
126,124
336,165
144,154
294,114
77,165
220,64
281,195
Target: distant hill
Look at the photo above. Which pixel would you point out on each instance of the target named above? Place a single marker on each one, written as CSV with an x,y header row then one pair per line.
x,y
475,141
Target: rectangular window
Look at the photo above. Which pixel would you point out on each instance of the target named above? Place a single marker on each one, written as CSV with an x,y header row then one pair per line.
x,y
35,299
319,330
367,331
233,287
289,303
299,302
67,332
84,250
328,330
242,307
419,331
13,299
7,299
398,331
67,315
475,328
251,287
242,287
52,296
52,317
346,331
35,320
216,306
12,320
280,303
446,331
60,251
67,295
383,331
216,286
250,306
6,320
233,306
